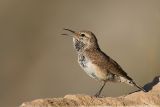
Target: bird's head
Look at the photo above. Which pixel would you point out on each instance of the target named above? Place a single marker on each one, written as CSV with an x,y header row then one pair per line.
x,y
83,40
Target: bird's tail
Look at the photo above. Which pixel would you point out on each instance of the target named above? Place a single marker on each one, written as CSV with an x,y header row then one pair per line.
x,y
130,81
139,87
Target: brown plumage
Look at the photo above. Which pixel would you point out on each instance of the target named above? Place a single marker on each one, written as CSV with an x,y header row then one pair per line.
x,y
96,63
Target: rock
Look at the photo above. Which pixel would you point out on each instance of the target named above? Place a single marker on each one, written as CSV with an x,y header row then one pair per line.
x,y
150,98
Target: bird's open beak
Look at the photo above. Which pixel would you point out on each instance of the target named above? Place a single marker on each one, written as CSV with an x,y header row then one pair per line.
x,y
74,32
71,31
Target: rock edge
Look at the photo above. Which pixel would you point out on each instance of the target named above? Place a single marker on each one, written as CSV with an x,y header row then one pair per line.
x,y
150,98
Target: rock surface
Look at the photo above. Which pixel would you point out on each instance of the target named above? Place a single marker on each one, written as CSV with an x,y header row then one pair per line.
x,y
150,98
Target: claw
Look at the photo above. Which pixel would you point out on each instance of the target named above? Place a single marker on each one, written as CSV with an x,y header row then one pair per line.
x,y
97,95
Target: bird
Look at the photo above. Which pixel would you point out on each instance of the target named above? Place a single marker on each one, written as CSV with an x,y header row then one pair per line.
x,y
95,62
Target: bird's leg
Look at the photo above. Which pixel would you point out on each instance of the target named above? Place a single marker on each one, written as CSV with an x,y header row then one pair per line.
x,y
99,92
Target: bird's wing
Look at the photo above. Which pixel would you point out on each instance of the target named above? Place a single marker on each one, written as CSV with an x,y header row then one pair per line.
x,y
113,67
116,69
106,63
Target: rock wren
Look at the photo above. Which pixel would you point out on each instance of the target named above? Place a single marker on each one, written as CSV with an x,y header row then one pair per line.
x,y
96,63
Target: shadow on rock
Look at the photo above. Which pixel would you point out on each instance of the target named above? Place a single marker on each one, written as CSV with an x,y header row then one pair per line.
x,y
150,85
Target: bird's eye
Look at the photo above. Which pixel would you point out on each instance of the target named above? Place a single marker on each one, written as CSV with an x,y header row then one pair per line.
x,y
83,35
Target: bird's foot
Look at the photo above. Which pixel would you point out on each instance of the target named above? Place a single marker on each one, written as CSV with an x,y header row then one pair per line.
x,y
97,95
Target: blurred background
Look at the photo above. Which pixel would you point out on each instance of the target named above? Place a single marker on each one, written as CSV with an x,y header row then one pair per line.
x,y
37,62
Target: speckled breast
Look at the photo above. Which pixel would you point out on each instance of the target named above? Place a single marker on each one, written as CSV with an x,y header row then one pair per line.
x,y
87,66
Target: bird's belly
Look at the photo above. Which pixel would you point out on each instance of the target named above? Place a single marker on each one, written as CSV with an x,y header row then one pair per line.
x,y
89,69
92,70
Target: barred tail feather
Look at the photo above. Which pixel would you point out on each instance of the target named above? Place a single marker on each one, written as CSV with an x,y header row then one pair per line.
x,y
139,87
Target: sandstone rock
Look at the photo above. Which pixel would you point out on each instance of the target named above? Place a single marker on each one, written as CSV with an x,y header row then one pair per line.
x,y
150,98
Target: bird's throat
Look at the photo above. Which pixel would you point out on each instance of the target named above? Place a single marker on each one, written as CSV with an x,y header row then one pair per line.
x,y
78,45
